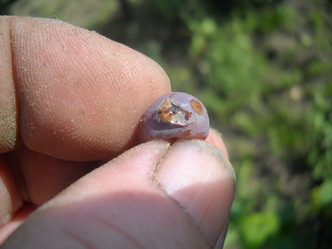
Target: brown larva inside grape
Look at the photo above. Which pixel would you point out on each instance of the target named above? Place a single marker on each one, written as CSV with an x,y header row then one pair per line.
x,y
175,115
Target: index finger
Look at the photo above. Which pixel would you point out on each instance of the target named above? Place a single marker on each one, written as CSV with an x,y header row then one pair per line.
x,y
79,95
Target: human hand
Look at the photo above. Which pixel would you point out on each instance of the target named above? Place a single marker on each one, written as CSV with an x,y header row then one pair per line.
x,y
76,104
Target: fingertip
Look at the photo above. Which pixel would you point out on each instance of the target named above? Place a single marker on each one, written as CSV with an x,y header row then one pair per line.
x,y
81,95
201,179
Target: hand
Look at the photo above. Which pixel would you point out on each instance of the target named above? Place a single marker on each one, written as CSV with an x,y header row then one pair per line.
x,y
71,101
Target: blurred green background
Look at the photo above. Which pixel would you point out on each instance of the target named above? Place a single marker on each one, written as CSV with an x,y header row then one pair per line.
x,y
263,69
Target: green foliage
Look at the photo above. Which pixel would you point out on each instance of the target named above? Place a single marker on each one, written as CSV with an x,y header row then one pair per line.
x,y
256,228
4,6
84,13
320,118
322,198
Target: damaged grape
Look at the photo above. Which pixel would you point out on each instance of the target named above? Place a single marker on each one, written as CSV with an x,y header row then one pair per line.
x,y
175,115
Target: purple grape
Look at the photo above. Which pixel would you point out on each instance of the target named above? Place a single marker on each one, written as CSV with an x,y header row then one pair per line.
x,y
175,115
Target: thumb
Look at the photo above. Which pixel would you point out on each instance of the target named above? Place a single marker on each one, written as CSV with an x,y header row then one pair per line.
x,y
155,195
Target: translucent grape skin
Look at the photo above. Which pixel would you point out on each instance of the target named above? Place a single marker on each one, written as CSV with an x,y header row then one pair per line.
x,y
174,115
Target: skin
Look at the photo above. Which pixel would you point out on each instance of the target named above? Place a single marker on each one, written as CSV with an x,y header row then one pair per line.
x,y
67,119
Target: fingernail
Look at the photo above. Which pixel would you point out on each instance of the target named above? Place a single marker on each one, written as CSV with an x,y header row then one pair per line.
x,y
201,180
